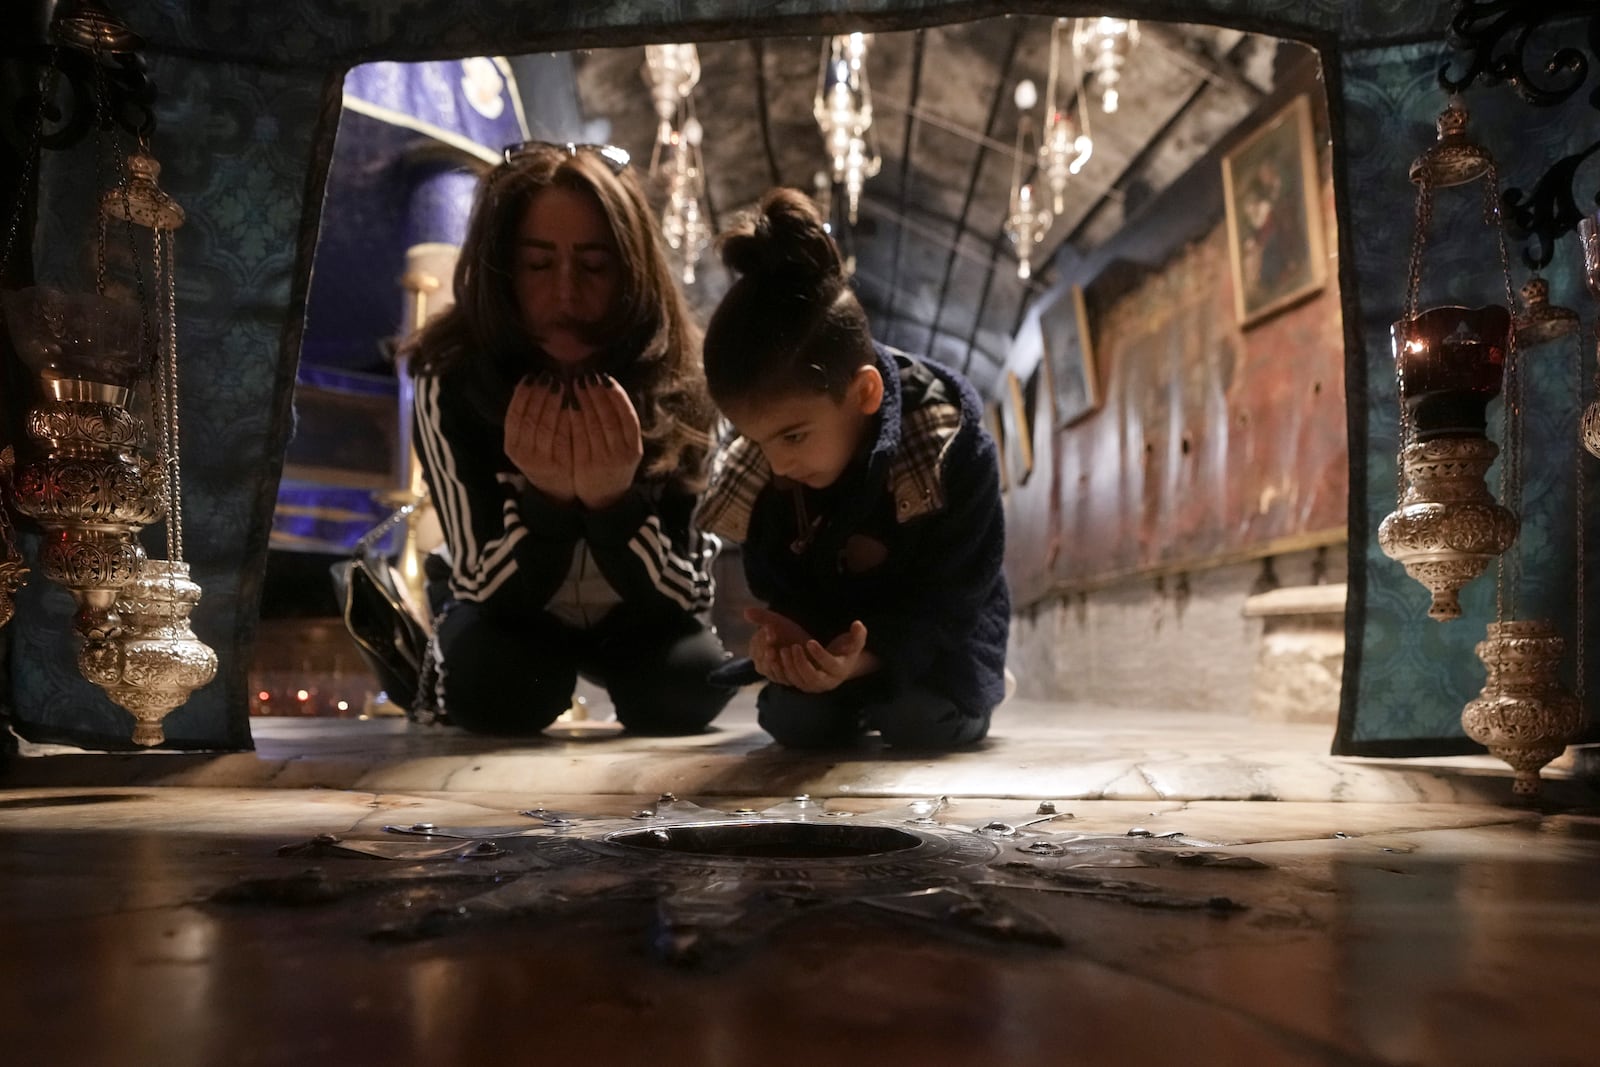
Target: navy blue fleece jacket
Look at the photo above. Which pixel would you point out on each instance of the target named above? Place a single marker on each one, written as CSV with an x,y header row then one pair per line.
x,y
910,539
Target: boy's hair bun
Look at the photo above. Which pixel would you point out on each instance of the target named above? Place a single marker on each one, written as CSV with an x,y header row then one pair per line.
x,y
790,324
783,239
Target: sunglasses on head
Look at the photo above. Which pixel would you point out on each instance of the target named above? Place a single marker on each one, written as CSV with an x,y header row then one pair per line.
x,y
616,158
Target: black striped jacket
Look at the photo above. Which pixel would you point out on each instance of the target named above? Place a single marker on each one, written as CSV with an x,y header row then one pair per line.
x,y
511,546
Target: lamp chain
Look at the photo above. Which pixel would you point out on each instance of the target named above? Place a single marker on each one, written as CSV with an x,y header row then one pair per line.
x,y
101,122
104,121
1508,576
47,88
1581,501
1419,244
165,243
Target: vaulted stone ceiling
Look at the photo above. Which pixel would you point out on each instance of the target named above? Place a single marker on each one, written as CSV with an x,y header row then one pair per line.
x,y
934,269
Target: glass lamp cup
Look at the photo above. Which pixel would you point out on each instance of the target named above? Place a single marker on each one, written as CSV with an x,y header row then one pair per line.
x,y
1452,363
73,342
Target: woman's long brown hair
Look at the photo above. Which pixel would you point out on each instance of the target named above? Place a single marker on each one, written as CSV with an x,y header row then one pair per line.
x,y
651,346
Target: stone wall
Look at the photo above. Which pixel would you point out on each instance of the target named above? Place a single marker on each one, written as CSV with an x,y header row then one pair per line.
x,y
1179,642
1212,440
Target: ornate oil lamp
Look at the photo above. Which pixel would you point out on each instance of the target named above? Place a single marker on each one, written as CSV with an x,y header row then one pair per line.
x,y
1449,363
83,478
155,661
1448,528
1523,715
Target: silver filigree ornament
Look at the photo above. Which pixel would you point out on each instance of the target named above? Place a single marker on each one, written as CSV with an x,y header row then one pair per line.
x,y
155,662
1523,716
79,471
82,476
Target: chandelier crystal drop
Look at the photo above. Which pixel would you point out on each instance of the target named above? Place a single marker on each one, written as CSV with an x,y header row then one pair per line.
x,y
1028,221
1102,46
843,110
1067,144
672,71
683,221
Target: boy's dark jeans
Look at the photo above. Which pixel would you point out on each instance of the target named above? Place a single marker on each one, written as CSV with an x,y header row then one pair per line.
x,y
514,680
913,717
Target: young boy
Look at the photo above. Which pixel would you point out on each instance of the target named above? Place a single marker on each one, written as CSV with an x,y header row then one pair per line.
x,y
866,492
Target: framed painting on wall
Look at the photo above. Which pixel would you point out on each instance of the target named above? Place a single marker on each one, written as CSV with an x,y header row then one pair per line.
x,y
1018,446
1272,195
997,430
1069,357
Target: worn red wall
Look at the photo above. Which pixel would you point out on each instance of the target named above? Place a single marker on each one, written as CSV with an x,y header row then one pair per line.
x,y
1213,443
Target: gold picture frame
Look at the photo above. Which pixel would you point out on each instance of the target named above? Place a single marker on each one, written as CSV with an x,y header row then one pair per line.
x,y
1271,189
1018,434
1073,380
997,430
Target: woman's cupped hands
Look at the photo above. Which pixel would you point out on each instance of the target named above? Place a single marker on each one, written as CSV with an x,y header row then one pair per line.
x,y
576,440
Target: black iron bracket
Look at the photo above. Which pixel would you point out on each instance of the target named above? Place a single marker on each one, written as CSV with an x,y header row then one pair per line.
x,y
72,110
1510,42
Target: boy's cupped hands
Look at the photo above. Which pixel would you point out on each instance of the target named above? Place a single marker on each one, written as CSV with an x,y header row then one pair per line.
x,y
786,654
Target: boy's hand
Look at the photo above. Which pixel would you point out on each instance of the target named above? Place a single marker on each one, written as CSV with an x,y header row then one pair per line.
x,y
814,669
786,654
764,655
783,630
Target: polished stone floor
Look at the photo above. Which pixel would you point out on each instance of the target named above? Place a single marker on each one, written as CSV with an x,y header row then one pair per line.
x,y
1373,912
1036,749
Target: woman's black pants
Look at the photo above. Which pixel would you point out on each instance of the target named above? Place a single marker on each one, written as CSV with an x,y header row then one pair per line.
x,y
515,678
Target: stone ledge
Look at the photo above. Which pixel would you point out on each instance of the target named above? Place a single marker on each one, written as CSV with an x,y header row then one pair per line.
x,y
1297,600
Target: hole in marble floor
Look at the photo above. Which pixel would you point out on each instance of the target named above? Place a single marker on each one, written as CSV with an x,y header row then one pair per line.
x,y
769,840
73,800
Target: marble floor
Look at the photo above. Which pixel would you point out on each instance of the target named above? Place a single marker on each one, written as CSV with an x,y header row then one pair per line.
x,y
1203,892
1036,749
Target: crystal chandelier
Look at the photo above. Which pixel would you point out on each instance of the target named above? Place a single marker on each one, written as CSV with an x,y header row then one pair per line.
x,y
672,71
843,109
1067,145
683,223
1102,46
1029,220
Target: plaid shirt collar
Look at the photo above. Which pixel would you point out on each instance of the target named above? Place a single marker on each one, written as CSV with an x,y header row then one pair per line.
x,y
912,446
